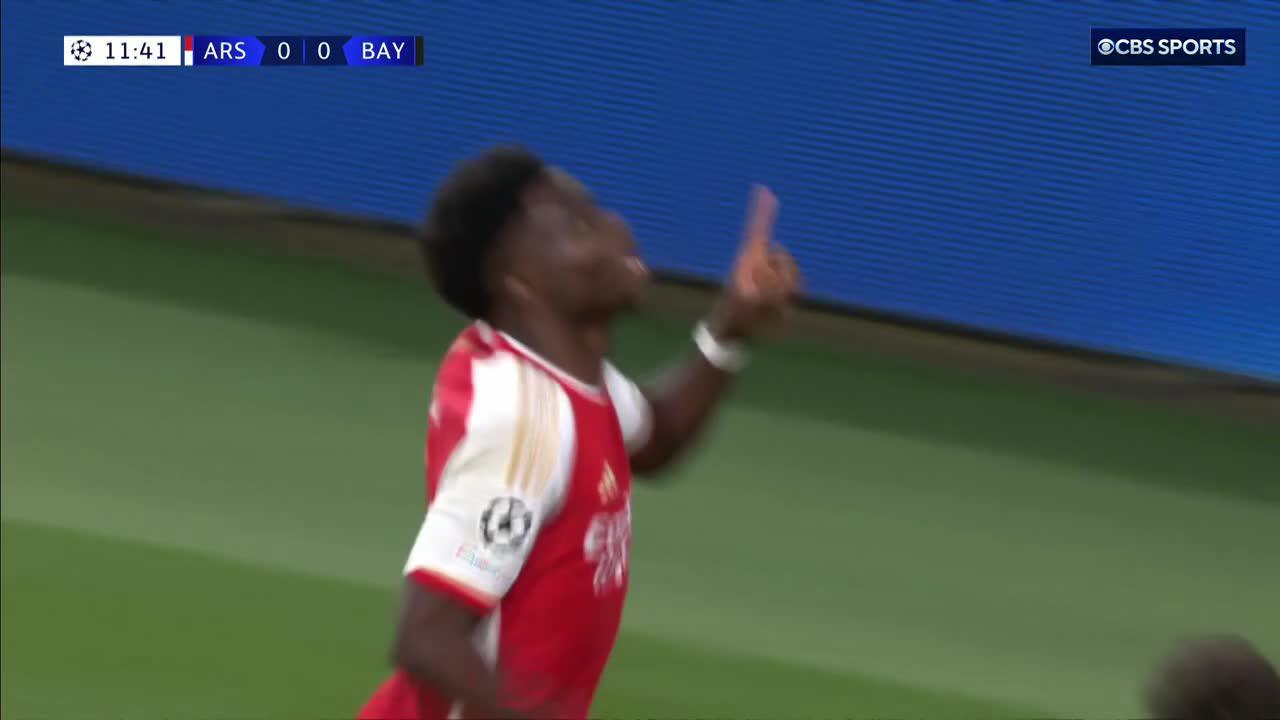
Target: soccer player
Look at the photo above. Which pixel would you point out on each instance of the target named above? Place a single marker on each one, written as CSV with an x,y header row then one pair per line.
x,y
515,584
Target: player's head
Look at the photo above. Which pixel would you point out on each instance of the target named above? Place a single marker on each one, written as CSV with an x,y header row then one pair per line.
x,y
506,232
1215,678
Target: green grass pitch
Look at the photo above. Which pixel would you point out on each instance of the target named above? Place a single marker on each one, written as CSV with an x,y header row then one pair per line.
x,y
212,471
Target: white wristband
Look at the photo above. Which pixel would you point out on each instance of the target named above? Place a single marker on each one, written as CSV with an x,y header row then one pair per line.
x,y
727,356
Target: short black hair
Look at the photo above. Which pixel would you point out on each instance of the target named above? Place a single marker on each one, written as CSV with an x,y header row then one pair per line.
x,y
467,216
1221,677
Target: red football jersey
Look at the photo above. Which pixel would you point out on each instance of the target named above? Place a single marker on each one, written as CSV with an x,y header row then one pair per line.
x,y
528,522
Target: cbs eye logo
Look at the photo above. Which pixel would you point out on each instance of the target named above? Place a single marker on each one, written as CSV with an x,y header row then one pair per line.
x,y
1106,46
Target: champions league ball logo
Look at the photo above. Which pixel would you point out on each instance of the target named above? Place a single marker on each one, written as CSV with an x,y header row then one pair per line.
x,y
81,50
505,525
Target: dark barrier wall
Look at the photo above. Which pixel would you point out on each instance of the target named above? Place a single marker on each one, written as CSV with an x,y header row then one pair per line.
x,y
954,162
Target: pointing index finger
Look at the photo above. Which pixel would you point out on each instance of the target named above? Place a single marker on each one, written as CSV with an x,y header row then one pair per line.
x,y
760,219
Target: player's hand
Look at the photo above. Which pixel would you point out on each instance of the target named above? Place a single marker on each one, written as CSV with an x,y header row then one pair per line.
x,y
765,278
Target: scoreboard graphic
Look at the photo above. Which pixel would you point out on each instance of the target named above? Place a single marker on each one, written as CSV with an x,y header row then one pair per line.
x,y
241,50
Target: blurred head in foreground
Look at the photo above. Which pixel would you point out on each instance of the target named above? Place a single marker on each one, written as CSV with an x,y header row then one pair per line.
x,y
1221,677
509,239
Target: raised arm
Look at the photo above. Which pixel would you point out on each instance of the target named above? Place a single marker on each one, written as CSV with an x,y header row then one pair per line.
x,y
681,400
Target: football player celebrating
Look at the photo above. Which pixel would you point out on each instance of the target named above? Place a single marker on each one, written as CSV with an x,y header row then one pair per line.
x,y
515,584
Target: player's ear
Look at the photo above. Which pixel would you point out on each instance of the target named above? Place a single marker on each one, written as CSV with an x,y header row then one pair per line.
x,y
508,271
517,287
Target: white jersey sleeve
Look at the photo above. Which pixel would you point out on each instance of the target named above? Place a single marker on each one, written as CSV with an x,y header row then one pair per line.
x,y
502,482
634,413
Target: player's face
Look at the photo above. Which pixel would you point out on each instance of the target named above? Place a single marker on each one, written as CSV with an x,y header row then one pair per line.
x,y
588,255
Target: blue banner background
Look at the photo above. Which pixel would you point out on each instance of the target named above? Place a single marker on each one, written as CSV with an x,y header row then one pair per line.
x,y
952,162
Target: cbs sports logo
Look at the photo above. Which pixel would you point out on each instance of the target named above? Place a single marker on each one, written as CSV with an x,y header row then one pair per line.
x,y
1167,46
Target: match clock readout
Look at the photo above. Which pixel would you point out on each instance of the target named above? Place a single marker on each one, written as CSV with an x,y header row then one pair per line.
x,y
122,50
